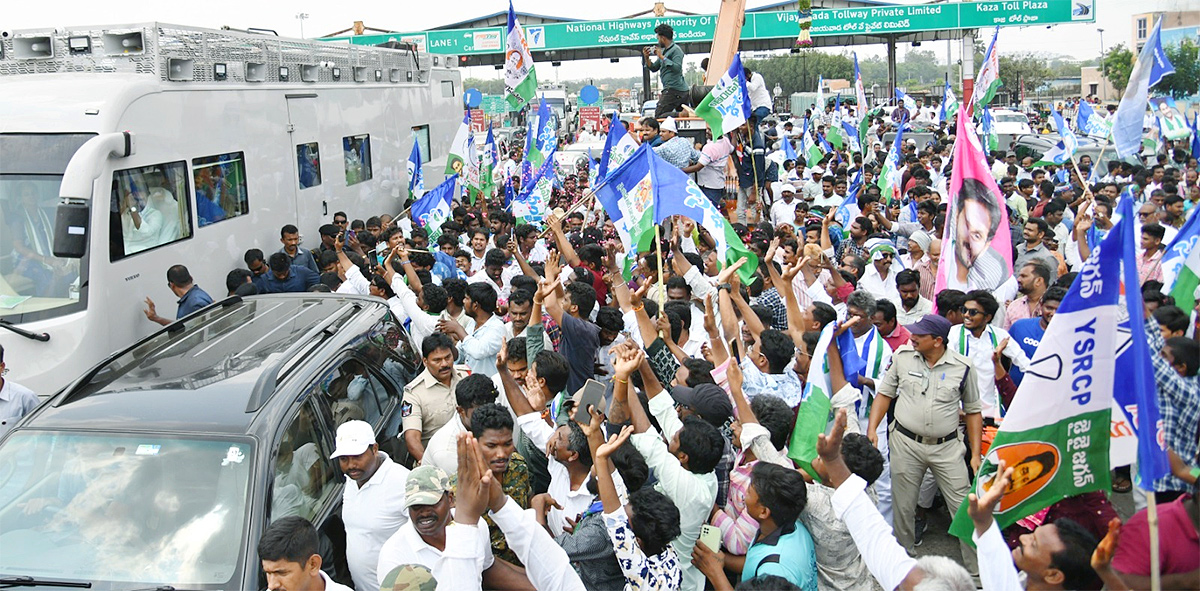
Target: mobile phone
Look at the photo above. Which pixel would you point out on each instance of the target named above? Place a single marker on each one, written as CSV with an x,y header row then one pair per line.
x,y
350,235
733,350
589,395
381,248
710,536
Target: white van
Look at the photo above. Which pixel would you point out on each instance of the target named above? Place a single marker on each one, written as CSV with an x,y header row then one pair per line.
x,y
213,139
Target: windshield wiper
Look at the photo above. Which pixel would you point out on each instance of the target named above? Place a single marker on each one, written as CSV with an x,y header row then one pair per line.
x,y
164,588
43,337
7,582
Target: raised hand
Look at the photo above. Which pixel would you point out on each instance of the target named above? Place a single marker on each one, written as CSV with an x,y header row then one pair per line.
x,y
710,317
981,508
829,447
729,271
627,363
733,373
847,325
595,426
1103,555
614,442
502,356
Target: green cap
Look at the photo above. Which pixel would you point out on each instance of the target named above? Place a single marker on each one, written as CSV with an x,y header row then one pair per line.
x,y
425,486
409,577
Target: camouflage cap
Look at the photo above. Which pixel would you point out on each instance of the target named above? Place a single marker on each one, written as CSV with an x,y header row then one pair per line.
x,y
425,486
409,577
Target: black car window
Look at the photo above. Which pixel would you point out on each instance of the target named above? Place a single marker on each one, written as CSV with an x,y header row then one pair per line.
x,y
305,477
352,393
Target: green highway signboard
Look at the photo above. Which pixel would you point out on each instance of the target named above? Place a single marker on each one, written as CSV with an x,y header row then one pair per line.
x,y
638,32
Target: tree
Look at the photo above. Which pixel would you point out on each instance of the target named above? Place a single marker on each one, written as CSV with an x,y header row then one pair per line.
x,y
1185,81
1024,67
1117,66
798,72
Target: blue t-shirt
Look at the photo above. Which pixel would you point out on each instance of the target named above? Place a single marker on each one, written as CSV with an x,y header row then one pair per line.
x,y
299,279
1027,332
193,300
789,553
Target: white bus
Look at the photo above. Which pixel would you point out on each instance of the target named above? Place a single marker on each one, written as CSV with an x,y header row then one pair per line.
x,y
216,138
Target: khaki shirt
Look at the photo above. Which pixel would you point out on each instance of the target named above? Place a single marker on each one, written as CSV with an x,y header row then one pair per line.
x,y
428,404
927,399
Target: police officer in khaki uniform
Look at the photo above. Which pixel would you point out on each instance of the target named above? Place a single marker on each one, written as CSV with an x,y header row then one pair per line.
x,y
429,399
929,385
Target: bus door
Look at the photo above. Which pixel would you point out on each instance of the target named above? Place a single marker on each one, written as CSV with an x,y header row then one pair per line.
x,y
310,162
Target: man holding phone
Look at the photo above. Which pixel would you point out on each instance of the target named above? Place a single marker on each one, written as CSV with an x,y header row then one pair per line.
x,y
669,66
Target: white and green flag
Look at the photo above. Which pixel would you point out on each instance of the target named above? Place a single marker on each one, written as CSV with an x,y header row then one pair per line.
x,y
988,80
1181,265
727,105
1056,434
1061,152
949,109
456,159
520,79
811,149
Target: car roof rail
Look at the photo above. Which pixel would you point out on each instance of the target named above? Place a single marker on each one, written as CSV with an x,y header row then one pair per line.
x,y
268,380
75,388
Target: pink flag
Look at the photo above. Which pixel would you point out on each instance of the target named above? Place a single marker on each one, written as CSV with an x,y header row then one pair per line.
x,y
977,249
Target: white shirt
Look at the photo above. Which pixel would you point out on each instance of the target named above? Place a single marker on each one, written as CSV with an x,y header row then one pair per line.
x,y
421,323
694,494
906,317
996,568
880,287
546,563
574,501
372,513
15,402
979,350
331,585
480,347
783,212
887,560
406,547
442,450
759,95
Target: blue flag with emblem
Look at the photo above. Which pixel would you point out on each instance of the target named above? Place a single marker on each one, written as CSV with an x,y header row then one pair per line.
x,y
1134,389
434,207
416,177
1151,66
789,153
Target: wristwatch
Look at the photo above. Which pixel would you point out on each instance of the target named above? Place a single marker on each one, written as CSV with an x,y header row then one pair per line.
x,y
725,286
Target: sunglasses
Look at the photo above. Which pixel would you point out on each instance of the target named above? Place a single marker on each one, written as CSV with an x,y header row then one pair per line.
x,y
972,312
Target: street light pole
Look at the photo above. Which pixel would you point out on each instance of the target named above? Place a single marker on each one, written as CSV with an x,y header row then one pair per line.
x,y
301,17
1100,66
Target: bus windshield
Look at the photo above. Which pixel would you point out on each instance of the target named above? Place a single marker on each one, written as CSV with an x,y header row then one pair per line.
x,y
35,284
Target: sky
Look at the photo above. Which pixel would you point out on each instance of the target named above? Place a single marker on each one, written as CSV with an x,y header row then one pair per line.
x,y
1081,41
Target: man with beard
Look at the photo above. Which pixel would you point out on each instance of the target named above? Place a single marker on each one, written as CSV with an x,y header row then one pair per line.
x,y
913,306
372,506
976,219
1032,282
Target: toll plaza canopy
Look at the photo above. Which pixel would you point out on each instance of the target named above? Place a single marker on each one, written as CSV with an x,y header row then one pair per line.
x,y
835,23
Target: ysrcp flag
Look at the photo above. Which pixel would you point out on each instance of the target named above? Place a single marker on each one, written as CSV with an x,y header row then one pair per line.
x,y
1061,152
727,105
949,109
1181,265
1056,433
434,207
1090,124
617,147
977,249
416,177
520,79
893,172
1152,65
456,160
988,80
530,207
860,94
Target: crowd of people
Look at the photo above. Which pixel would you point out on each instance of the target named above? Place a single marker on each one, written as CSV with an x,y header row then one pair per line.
x,y
579,426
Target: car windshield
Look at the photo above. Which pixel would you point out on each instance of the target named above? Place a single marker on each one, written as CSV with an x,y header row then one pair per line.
x,y
1011,118
35,284
144,509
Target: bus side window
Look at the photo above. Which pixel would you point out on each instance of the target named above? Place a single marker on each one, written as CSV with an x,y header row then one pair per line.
x,y
357,152
308,163
220,187
422,135
150,208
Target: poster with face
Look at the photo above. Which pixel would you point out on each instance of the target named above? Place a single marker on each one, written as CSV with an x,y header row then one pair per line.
x,y
1171,123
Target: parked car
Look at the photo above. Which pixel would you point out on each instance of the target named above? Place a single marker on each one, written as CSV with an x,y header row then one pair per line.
x,y
648,108
162,465
1008,123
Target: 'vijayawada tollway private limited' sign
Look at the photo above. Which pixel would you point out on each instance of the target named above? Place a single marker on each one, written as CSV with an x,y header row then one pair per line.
x,y
758,25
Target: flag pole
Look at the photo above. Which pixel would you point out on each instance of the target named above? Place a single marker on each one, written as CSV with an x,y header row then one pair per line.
x,y
1152,521
754,169
662,289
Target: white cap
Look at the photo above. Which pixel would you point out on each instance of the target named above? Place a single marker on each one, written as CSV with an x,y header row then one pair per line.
x,y
668,125
353,438
817,170
788,187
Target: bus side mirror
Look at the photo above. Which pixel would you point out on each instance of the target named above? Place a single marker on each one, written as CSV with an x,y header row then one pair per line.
x,y
71,229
